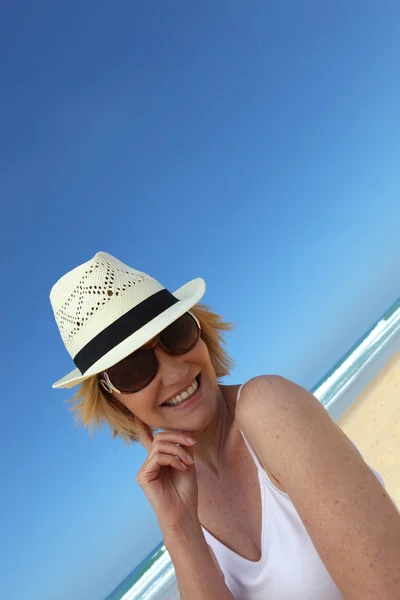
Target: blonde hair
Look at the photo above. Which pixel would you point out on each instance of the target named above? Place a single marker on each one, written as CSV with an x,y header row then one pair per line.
x,y
92,407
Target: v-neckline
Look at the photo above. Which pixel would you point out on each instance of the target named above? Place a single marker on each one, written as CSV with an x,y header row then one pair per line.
x,y
235,555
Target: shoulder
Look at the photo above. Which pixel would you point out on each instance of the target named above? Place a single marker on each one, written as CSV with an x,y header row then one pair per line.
x,y
266,393
279,417
287,425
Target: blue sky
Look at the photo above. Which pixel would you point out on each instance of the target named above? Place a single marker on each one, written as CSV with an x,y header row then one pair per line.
x,y
254,144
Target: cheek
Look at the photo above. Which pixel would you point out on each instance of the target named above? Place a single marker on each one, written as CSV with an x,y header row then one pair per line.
x,y
203,359
201,352
134,403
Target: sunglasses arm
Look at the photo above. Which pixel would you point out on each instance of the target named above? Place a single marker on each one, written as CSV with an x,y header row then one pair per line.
x,y
107,385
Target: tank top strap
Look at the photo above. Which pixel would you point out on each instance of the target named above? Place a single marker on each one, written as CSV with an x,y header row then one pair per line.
x,y
250,449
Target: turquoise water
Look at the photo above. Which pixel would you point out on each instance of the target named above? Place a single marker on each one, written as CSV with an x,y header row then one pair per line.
x,y
154,577
342,384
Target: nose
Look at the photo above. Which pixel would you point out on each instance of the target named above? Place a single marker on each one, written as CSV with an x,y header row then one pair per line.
x,y
172,369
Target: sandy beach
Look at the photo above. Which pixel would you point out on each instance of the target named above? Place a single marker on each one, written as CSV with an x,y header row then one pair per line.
x,y
373,423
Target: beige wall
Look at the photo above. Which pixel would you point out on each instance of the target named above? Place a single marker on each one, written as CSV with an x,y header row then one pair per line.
x,y
373,423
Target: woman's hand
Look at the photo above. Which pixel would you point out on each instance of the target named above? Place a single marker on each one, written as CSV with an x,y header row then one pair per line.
x,y
168,476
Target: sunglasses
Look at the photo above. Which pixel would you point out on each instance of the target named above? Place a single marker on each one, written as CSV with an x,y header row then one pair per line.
x,y
137,370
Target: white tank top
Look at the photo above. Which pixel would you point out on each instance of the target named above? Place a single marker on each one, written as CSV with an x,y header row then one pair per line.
x,y
290,567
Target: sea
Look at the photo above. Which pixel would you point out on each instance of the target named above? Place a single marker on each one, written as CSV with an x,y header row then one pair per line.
x,y
154,578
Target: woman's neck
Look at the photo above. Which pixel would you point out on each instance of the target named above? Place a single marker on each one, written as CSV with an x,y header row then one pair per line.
x,y
209,450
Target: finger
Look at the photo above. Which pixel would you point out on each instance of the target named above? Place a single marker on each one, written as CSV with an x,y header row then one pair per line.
x,y
175,437
172,461
190,452
145,434
150,471
186,433
173,449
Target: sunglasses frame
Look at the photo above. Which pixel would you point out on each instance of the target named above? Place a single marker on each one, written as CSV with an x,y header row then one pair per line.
x,y
105,381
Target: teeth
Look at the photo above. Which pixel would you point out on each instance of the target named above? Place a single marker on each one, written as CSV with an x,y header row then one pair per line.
x,y
179,398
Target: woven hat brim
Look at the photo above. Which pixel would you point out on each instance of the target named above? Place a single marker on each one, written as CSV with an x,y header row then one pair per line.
x,y
188,295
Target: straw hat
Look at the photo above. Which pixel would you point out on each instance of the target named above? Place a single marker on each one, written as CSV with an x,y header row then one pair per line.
x,y
105,310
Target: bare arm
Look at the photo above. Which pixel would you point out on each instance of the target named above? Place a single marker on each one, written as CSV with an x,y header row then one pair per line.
x,y
352,522
198,574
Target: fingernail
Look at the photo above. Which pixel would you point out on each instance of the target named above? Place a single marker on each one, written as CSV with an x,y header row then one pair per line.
x,y
190,440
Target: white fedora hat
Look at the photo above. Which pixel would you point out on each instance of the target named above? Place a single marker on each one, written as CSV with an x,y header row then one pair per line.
x,y
105,310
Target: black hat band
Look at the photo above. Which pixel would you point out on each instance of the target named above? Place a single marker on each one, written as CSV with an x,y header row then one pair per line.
x,y
122,328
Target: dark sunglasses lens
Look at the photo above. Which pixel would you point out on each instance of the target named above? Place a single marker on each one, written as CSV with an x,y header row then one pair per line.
x,y
134,372
182,335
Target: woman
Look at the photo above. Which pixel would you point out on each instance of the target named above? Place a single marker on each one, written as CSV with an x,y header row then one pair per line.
x,y
259,495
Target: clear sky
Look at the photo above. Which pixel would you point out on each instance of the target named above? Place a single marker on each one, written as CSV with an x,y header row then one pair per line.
x,y
252,143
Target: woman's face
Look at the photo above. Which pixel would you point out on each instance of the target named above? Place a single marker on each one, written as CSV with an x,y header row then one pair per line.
x,y
175,375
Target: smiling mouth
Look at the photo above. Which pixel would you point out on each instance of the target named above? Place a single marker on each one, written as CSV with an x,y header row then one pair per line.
x,y
184,396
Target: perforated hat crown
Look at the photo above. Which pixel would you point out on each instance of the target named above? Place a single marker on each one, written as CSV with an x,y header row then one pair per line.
x,y
105,310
